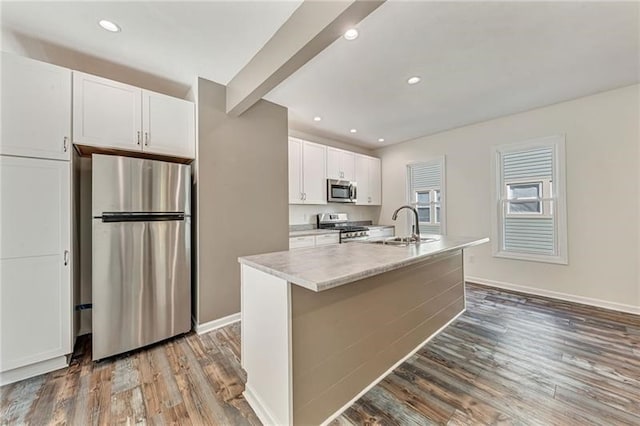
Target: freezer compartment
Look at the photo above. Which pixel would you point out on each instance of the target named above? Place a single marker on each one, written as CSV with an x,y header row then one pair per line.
x,y
123,184
141,283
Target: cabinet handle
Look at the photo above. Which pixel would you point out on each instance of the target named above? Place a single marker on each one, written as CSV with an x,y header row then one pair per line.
x,y
146,138
138,137
65,143
66,257
304,195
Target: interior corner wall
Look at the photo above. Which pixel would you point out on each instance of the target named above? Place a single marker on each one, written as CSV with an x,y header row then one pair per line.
x,y
242,194
603,188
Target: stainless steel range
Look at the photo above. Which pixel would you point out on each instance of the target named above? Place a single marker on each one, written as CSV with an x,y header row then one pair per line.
x,y
340,221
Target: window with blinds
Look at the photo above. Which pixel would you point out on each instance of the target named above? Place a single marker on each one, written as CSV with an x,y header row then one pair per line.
x,y
425,182
530,200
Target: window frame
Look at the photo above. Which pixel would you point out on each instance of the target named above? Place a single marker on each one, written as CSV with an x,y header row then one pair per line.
x,y
432,205
412,197
554,204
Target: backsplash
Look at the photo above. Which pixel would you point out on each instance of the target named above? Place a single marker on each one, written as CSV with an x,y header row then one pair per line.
x,y
306,214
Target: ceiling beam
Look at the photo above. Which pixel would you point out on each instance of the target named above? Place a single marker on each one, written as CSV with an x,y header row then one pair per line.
x,y
312,27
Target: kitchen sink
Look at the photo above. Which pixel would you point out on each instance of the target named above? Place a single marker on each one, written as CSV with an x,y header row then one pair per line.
x,y
405,241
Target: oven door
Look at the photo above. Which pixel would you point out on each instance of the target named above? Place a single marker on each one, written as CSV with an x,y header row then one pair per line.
x,y
341,191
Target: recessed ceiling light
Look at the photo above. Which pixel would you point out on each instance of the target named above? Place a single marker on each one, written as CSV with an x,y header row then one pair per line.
x,y
414,80
317,118
109,26
353,130
351,34
381,140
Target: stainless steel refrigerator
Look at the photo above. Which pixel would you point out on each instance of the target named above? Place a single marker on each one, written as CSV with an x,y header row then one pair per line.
x,y
141,259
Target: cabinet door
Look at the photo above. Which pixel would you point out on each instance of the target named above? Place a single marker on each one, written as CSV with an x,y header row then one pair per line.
x,y
295,172
348,165
106,113
375,181
313,173
36,109
334,166
35,264
340,164
362,180
300,242
327,239
168,125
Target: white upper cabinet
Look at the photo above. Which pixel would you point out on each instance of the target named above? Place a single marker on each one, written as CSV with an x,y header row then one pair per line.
x,y
168,125
36,109
313,173
114,115
340,164
375,181
106,113
307,165
35,261
368,178
296,195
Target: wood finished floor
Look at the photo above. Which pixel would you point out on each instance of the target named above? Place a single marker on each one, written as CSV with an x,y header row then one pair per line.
x,y
510,359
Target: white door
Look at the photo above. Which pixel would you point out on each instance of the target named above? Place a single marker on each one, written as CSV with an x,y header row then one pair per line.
x,y
36,109
362,180
313,173
334,166
375,181
348,165
295,172
35,264
168,125
106,113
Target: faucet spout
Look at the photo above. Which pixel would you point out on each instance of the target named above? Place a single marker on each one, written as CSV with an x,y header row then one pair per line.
x,y
416,226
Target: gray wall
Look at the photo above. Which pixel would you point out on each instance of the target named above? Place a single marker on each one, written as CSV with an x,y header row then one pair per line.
x,y
243,194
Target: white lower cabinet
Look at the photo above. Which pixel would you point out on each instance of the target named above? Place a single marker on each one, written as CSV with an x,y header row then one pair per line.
x,y
35,266
326,239
300,242
381,232
314,240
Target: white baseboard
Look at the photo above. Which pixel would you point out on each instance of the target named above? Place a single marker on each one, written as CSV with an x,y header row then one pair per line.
x,y
386,373
260,409
630,309
216,324
32,370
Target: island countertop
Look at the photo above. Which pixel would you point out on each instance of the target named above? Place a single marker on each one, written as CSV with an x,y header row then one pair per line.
x,y
326,267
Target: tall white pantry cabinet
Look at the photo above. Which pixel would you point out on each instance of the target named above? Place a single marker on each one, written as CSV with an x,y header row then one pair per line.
x,y
35,218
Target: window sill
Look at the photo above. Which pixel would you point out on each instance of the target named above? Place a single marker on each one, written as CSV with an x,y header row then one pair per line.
x,y
530,257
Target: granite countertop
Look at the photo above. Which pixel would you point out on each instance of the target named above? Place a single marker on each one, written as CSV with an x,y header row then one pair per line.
x,y
312,232
322,268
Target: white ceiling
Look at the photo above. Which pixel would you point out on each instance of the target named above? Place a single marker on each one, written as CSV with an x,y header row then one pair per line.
x,y
477,61
175,40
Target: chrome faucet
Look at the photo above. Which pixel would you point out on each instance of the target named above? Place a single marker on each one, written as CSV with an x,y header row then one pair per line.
x,y
416,227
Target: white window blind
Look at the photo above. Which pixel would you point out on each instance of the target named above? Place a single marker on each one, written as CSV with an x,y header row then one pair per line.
x,y
530,200
523,232
426,193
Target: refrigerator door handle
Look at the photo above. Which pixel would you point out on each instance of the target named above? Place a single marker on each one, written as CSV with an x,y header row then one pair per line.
x,y
108,217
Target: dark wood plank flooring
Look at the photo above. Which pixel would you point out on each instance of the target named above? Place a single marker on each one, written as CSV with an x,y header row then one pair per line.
x,y
510,359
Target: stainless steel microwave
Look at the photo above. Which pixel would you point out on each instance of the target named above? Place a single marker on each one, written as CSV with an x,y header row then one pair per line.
x,y
341,191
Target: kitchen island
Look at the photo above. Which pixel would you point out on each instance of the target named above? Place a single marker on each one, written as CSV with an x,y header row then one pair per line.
x,y
320,326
